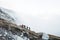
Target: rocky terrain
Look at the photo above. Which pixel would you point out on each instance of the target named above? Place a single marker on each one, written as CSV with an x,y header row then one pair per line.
x,y
9,30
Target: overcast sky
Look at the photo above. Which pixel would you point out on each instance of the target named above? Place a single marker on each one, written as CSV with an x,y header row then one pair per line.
x,y
40,15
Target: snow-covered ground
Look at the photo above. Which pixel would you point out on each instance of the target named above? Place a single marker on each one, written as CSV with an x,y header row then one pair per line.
x,y
8,35
5,34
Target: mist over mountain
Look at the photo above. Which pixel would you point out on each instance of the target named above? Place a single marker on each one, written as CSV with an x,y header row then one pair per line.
x,y
7,18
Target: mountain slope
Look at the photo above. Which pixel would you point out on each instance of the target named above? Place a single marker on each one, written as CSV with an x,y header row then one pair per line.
x,y
9,30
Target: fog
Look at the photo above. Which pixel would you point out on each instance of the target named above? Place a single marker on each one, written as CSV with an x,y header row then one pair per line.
x,y
39,15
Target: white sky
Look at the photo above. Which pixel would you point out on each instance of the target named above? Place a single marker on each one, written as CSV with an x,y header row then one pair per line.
x,y
40,15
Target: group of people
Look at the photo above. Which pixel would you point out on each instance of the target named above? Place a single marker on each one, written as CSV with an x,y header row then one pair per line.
x,y
26,27
24,34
